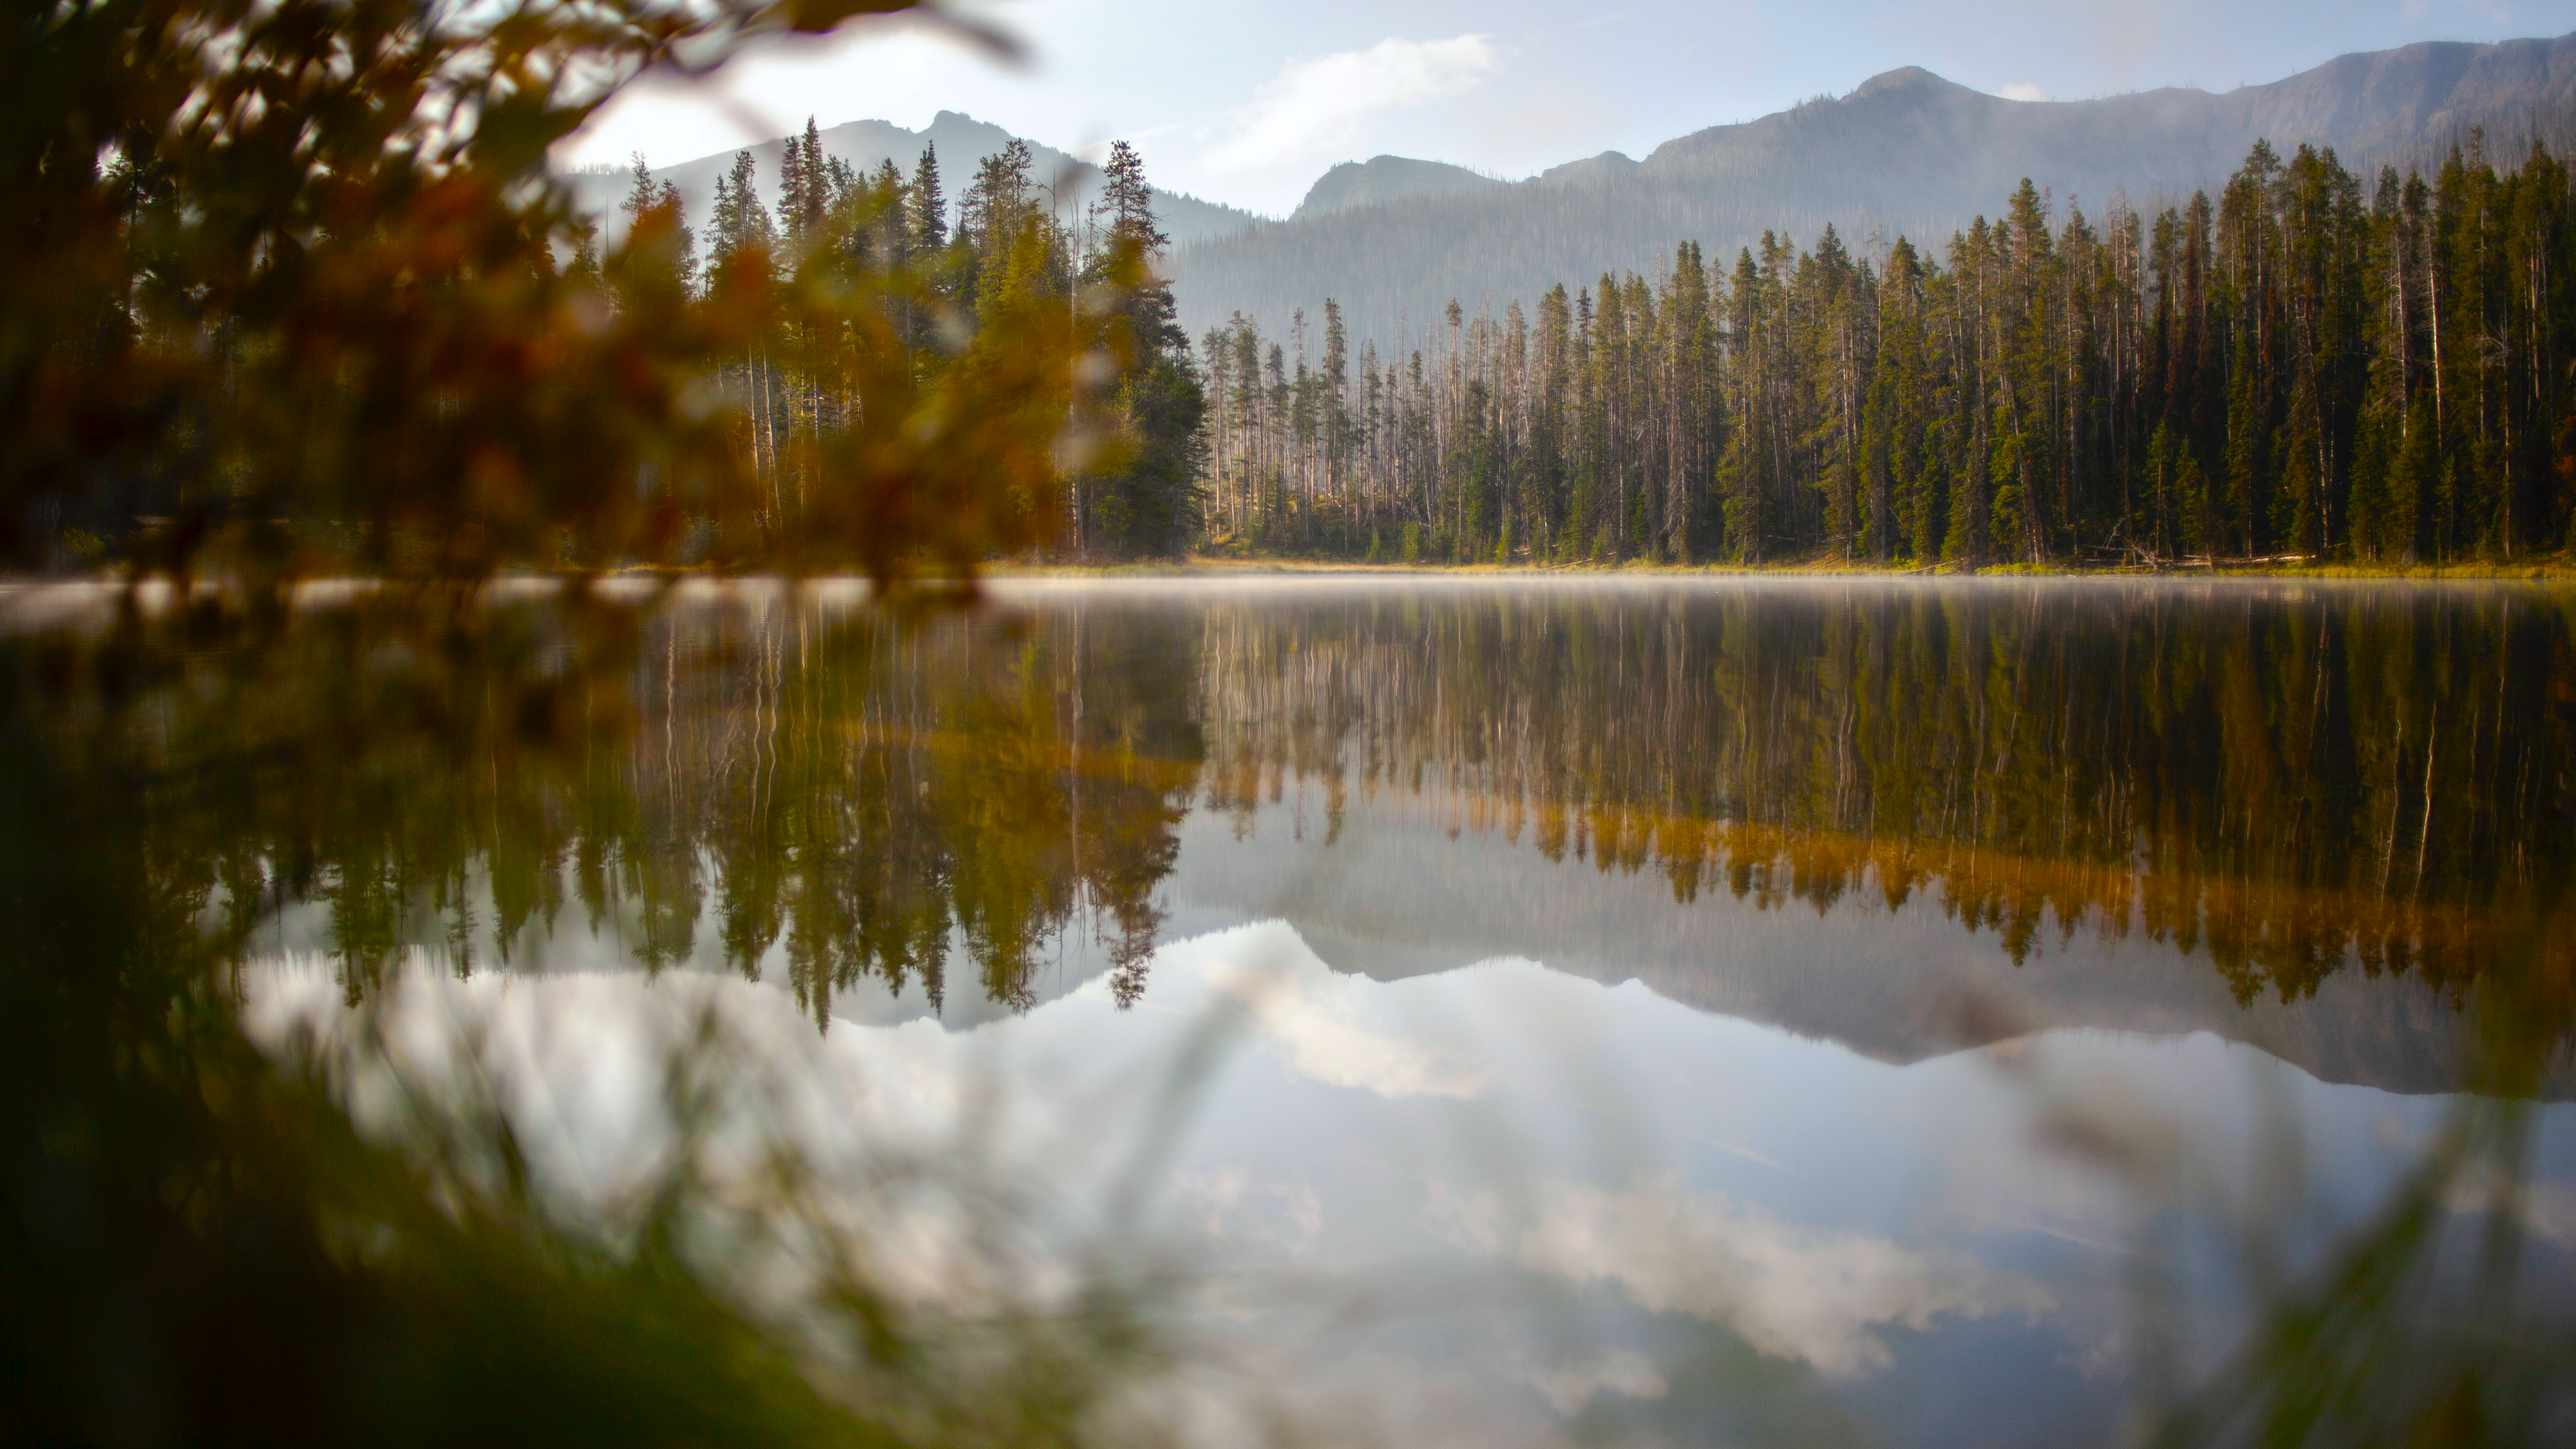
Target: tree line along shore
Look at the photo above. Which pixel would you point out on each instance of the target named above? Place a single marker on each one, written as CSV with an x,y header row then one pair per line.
x,y
2308,371
2308,368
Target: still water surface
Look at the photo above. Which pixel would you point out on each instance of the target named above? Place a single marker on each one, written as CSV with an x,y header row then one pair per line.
x,y
1669,1011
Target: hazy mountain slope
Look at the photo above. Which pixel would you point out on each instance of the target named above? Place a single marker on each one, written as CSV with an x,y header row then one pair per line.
x,y
1607,165
962,141
1388,178
1906,152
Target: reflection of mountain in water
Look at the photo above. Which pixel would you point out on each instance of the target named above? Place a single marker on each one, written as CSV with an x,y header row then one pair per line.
x,y
1903,817
1915,818
1395,896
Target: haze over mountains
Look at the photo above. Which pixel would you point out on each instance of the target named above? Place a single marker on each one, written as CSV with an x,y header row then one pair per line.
x,y
1383,179
1394,239
1907,152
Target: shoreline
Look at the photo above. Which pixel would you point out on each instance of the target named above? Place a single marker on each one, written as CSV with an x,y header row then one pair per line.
x,y
2549,568
17,592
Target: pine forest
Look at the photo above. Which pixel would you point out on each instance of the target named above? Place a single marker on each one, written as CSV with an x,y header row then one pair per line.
x,y
2308,366
947,284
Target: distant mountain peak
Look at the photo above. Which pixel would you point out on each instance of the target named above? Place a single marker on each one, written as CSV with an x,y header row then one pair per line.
x,y
1907,79
1591,168
960,121
1381,179
1907,153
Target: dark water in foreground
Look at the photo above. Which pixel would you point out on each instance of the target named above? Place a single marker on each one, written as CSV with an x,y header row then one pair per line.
x,y
1674,1011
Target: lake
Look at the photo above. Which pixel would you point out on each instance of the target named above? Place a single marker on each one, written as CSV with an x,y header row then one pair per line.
x,y
1492,1010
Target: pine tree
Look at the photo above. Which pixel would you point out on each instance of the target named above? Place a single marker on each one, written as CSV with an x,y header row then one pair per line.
x,y
642,197
804,187
928,204
1334,383
1126,202
2249,451
738,220
659,250
1151,506
685,238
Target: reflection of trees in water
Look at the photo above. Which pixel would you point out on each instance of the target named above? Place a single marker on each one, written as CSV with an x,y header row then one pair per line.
x,y
2288,779
858,794
2236,769
862,795
173,791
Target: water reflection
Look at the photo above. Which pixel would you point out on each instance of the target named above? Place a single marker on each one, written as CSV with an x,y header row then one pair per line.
x,y
813,794
1606,952
2260,774
2286,784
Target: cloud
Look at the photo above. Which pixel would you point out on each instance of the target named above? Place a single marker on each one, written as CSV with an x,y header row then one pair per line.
x,y
1569,1387
2547,1210
2023,91
1792,1293
1317,108
1229,1203
1320,1028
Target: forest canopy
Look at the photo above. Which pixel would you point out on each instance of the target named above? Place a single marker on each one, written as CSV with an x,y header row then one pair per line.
x,y
2305,366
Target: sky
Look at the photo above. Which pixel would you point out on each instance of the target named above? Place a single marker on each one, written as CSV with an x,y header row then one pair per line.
x,y
1248,101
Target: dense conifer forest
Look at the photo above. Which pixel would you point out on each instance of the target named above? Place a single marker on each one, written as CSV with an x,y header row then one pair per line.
x,y
2308,365
1004,252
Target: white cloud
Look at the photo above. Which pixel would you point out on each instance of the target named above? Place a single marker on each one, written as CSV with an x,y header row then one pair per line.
x,y
1792,1293
1319,1025
1569,1387
1230,1203
1316,109
2023,91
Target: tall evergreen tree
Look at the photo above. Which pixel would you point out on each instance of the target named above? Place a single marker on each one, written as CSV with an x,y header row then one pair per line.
x,y
1149,506
927,204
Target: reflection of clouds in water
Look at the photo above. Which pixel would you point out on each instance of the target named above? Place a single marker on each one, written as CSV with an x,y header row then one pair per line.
x,y
585,1055
1275,1200
1230,1202
1568,1387
610,1080
1331,1029
1792,1293
2547,1209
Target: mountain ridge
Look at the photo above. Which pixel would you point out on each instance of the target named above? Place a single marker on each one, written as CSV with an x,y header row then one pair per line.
x,y
1905,151
1387,178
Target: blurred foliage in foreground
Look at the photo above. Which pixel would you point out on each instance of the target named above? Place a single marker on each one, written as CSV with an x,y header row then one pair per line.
x,y
210,1244
285,290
